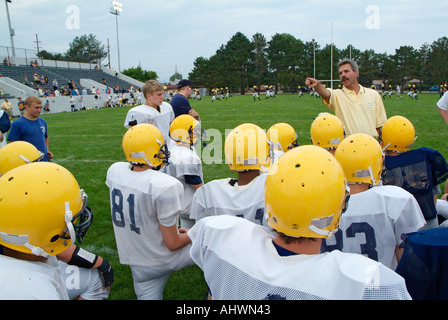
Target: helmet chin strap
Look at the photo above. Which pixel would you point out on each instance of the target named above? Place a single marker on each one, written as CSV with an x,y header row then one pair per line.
x,y
68,222
36,250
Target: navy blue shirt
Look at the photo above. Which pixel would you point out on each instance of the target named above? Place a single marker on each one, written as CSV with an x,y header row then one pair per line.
x,y
180,105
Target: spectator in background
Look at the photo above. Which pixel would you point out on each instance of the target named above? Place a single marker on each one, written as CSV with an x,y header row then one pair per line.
x,y
7,107
55,84
21,106
32,128
6,62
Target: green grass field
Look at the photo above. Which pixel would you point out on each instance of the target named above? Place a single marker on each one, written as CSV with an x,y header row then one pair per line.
x,y
88,142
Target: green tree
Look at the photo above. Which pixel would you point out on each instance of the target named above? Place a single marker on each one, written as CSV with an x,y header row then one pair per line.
x,y
44,54
237,56
86,49
139,74
259,45
438,62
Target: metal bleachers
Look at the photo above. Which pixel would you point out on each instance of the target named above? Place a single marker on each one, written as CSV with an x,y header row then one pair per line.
x,y
62,75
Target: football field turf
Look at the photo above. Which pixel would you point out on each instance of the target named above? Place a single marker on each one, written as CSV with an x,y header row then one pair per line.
x,y
88,142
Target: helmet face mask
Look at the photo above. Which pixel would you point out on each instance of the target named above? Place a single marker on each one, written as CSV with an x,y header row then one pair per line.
x,y
81,222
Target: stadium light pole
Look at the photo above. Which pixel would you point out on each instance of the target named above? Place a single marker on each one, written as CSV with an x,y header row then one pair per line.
x,y
116,9
11,32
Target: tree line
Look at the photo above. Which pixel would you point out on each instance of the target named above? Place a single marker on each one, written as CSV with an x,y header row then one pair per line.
x,y
286,61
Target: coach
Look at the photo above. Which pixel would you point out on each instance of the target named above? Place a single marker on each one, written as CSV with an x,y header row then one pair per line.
x,y
180,102
360,109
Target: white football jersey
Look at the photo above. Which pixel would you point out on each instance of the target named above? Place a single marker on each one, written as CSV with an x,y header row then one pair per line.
x,y
240,262
26,280
140,201
374,222
220,197
182,162
147,114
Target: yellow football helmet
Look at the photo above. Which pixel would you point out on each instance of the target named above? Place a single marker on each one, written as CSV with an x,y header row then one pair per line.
x,y
327,131
42,209
16,154
247,148
282,136
144,143
361,157
185,130
306,193
397,134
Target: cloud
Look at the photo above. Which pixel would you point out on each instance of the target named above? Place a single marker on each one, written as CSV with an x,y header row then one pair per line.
x,y
161,34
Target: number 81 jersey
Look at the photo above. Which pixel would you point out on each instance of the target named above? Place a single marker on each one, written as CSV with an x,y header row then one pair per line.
x,y
140,201
374,222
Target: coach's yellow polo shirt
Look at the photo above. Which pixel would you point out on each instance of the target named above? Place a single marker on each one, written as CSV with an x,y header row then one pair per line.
x,y
360,113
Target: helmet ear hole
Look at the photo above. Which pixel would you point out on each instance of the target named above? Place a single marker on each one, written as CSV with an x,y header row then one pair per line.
x,y
55,238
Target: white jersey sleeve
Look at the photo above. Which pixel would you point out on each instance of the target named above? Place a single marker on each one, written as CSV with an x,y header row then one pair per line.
x,y
374,222
240,262
443,102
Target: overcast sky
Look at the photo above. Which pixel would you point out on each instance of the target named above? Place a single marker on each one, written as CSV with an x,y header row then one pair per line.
x,y
162,34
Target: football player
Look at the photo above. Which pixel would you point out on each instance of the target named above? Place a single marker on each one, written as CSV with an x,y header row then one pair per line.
x,y
377,216
419,171
242,260
155,111
246,151
35,229
145,207
86,276
185,164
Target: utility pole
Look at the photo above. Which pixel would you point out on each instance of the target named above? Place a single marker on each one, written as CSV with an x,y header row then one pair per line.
x,y
37,43
11,32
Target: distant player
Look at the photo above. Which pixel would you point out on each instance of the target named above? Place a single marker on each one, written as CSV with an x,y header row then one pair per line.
x,y
185,164
377,216
145,208
244,261
246,151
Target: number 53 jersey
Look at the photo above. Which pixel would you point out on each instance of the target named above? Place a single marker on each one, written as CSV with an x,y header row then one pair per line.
x,y
374,222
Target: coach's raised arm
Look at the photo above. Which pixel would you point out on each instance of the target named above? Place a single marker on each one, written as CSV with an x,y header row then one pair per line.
x,y
360,109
